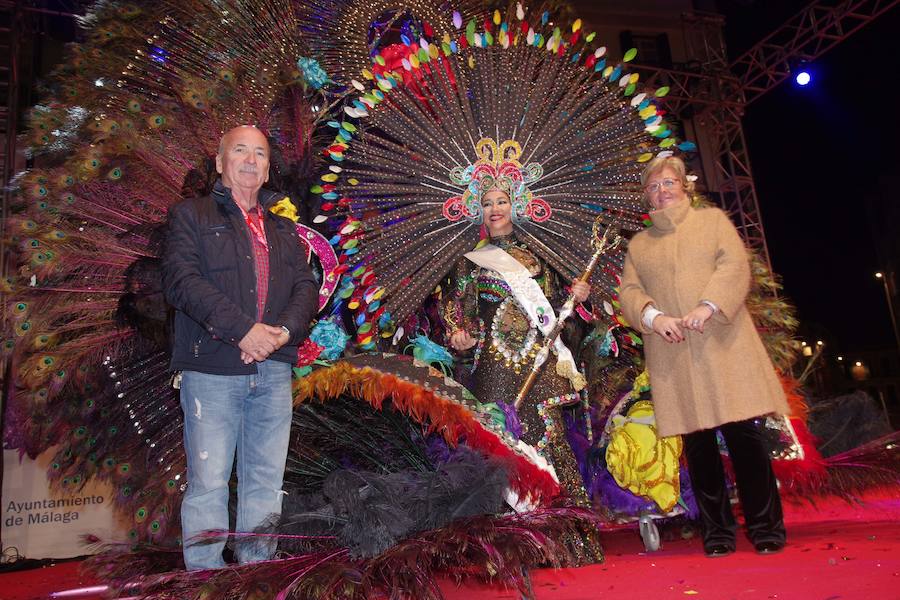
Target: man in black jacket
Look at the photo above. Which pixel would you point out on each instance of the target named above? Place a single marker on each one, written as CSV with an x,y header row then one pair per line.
x,y
244,297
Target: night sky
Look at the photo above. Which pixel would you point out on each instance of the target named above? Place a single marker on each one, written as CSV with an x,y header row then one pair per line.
x,y
816,153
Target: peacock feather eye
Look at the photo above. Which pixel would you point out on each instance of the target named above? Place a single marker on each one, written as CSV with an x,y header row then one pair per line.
x,y
80,431
156,121
155,526
76,479
134,106
115,174
126,490
55,466
140,514
113,430
109,462
48,361
124,468
20,307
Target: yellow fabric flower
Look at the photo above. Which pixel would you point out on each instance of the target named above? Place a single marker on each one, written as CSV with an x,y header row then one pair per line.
x,y
641,384
285,208
641,462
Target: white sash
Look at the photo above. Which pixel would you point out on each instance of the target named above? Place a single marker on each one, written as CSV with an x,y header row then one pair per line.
x,y
531,298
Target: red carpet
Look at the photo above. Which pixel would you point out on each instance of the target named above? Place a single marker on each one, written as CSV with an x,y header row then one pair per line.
x,y
835,552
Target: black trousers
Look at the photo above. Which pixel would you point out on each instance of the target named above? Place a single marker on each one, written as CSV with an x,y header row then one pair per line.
x,y
757,489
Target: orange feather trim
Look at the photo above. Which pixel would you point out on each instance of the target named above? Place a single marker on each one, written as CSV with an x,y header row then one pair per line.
x,y
453,421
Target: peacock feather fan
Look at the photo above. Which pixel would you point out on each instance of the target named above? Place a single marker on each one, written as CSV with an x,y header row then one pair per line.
x,y
513,94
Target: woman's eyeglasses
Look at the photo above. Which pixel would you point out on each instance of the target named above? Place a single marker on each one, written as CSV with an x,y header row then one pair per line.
x,y
668,184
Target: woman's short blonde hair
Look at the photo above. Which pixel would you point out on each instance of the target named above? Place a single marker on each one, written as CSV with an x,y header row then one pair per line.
x,y
673,162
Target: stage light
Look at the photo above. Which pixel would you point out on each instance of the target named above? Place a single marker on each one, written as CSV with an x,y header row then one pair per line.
x,y
803,78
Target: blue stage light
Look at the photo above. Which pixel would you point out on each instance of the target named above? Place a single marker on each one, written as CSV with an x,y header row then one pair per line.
x,y
803,78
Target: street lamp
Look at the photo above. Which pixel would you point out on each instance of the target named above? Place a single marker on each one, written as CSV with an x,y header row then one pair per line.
x,y
890,303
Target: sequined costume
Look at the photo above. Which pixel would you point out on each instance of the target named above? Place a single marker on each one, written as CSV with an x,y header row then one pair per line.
x,y
480,301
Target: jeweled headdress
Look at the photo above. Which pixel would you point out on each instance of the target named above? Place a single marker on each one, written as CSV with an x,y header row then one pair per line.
x,y
497,167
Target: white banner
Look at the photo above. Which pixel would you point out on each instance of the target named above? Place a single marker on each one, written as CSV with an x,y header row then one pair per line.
x,y
39,524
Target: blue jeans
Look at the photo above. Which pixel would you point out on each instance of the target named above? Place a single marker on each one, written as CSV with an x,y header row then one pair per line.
x,y
223,413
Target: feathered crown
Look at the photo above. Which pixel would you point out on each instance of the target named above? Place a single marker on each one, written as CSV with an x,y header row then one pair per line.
x,y
497,167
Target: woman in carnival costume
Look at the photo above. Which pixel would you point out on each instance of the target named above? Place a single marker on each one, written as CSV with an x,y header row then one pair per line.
x,y
503,300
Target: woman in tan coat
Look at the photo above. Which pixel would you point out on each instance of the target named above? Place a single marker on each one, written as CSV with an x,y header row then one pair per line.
x,y
685,283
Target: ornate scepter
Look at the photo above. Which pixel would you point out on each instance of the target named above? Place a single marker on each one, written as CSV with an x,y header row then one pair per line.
x,y
602,243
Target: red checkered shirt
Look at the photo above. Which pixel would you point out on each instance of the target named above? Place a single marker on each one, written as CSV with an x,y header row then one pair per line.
x,y
257,230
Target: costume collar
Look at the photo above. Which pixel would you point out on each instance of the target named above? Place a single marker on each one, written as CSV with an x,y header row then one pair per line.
x,y
222,195
668,218
504,241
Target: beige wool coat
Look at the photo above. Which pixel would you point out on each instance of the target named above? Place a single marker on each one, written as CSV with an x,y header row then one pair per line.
x,y
724,374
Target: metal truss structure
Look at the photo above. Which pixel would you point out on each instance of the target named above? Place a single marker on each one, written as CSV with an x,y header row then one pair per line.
x,y
717,92
805,37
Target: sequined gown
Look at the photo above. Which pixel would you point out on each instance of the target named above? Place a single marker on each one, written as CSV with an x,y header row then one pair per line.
x,y
480,301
